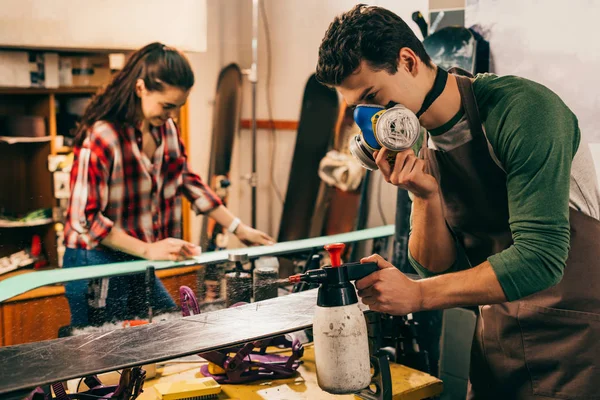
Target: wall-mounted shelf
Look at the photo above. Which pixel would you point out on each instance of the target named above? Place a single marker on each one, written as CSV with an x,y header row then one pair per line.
x,y
23,139
64,150
26,224
59,90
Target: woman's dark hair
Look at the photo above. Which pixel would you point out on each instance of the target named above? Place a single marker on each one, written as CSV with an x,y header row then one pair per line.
x,y
156,64
368,33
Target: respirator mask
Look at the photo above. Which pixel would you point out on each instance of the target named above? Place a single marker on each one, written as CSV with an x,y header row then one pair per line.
x,y
395,127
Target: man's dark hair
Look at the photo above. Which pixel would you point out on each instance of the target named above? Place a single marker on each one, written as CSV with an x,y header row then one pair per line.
x,y
368,33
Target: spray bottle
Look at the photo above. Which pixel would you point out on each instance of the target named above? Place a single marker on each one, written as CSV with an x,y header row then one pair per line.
x,y
339,326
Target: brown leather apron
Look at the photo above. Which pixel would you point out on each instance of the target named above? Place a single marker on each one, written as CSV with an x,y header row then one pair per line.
x,y
546,345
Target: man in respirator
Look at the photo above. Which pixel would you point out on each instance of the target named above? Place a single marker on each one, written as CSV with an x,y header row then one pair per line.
x,y
505,205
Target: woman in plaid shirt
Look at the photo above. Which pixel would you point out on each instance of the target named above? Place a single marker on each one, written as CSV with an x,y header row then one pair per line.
x,y
129,174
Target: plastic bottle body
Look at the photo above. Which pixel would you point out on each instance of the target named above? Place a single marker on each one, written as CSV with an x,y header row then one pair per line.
x,y
341,349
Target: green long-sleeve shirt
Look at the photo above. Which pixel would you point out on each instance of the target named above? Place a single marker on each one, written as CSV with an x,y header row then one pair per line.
x,y
535,139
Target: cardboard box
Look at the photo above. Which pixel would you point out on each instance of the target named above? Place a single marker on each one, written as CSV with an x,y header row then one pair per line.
x,y
89,70
14,69
65,72
28,69
51,70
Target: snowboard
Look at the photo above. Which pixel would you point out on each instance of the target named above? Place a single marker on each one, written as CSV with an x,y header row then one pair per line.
x,y
27,366
452,46
455,46
343,205
363,211
316,128
337,209
23,283
225,126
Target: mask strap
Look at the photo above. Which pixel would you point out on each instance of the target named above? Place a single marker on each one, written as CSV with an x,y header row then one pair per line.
x,y
439,84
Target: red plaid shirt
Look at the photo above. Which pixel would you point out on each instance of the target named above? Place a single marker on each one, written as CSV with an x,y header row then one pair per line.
x,y
113,183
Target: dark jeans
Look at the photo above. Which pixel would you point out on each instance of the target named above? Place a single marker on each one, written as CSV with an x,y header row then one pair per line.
x,y
126,297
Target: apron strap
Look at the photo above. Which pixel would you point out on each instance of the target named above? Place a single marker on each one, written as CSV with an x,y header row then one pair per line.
x,y
461,72
469,102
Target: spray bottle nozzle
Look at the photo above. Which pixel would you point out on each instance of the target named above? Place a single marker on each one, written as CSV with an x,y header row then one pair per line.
x,y
313,276
336,275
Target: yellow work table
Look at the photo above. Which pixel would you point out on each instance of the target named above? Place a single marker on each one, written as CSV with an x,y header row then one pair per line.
x,y
408,384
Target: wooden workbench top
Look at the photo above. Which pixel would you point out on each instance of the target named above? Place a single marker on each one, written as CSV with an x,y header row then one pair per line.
x,y
408,384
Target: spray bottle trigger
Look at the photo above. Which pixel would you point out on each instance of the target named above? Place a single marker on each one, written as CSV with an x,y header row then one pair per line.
x,y
358,270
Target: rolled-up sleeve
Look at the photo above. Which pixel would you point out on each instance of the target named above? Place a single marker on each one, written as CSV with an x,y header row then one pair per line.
x,y
202,198
90,180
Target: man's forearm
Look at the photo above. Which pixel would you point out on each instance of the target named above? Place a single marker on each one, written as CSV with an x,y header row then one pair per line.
x,y
475,286
431,244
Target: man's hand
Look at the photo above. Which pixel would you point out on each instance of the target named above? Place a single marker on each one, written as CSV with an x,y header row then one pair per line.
x,y
389,290
407,173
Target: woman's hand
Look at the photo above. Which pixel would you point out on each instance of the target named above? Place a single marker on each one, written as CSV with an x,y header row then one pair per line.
x,y
171,249
250,236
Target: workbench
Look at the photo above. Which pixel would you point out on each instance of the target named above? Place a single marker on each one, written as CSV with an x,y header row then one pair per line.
x,y
407,383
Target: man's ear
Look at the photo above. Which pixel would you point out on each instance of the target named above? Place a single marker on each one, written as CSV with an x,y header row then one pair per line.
x,y
408,60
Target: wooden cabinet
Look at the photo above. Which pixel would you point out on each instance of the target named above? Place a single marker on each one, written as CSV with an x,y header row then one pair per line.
x,y
26,183
40,313
34,316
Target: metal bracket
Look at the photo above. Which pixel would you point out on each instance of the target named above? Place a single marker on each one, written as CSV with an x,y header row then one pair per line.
x,y
381,381
252,179
129,388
